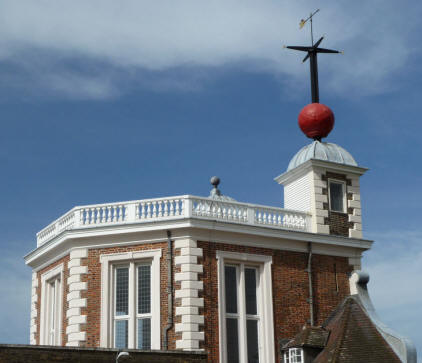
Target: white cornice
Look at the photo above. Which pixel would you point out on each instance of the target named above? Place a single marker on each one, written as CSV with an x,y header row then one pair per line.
x,y
201,228
328,165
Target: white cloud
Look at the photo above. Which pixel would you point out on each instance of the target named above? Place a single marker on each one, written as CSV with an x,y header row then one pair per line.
x,y
162,35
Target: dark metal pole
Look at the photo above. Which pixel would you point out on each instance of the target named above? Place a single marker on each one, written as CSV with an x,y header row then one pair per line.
x,y
313,64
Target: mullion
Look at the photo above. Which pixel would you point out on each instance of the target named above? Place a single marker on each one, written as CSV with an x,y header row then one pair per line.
x,y
145,318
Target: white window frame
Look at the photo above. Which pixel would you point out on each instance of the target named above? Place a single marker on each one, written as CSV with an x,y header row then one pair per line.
x,y
131,259
343,183
264,302
54,275
290,354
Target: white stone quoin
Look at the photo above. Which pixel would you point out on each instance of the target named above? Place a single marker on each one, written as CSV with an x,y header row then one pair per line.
x,y
188,294
74,317
34,311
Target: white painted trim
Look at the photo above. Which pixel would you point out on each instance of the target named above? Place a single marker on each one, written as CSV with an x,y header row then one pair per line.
x,y
327,165
265,302
57,248
56,272
107,261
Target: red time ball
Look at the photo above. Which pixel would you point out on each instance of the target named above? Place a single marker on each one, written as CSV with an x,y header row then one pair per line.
x,y
316,120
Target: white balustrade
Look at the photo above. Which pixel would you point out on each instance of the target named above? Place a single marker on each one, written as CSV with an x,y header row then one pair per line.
x,y
174,208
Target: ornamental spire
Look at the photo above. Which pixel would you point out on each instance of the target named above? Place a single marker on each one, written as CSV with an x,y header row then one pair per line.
x,y
315,120
312,51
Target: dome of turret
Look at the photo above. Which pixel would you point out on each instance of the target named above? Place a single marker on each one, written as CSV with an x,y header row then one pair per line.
x,y
322,151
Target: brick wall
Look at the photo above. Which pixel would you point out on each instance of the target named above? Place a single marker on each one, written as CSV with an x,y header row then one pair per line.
x,y
93,294
338,222
290,290
41,354
289,283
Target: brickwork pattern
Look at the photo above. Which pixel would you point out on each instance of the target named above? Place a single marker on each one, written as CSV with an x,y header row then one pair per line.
x,y
290,290
31,354
345,224
289,285
93,278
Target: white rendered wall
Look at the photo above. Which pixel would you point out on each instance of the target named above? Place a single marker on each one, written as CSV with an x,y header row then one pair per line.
x,y
297,194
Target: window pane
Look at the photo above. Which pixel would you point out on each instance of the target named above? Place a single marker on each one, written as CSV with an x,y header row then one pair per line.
x,y
232,341
122,291
120,334
252,336
144,333
144,289
250,290
295,355
336,196
231,289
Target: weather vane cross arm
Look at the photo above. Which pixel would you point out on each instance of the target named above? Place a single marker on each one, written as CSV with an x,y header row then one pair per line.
x,y
312,52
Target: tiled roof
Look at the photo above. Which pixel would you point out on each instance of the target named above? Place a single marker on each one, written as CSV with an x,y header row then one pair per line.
x,y
354,338
347,336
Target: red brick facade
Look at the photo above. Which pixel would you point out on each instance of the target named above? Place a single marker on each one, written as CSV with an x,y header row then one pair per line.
x,y
290,289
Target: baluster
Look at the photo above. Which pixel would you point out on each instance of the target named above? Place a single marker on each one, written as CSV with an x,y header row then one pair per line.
x,y
229,212
142,210
166,208
119,213
148,210
97,215
177,210
213,210
160,209
136,211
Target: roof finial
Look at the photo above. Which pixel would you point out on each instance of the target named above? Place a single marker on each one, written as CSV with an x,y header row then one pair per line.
x,y
215,181
313,51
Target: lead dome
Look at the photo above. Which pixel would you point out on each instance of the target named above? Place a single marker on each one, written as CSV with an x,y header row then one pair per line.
x,y
322,151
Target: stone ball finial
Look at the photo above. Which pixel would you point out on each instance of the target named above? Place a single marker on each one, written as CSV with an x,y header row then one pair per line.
x,y
215,181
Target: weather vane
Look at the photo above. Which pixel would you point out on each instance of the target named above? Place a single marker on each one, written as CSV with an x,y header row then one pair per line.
x,y
312,51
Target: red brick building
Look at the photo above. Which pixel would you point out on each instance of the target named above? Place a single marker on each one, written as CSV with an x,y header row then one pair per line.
x,y
236,280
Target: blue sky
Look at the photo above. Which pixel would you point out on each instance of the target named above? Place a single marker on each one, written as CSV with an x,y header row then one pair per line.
x,y
105,101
